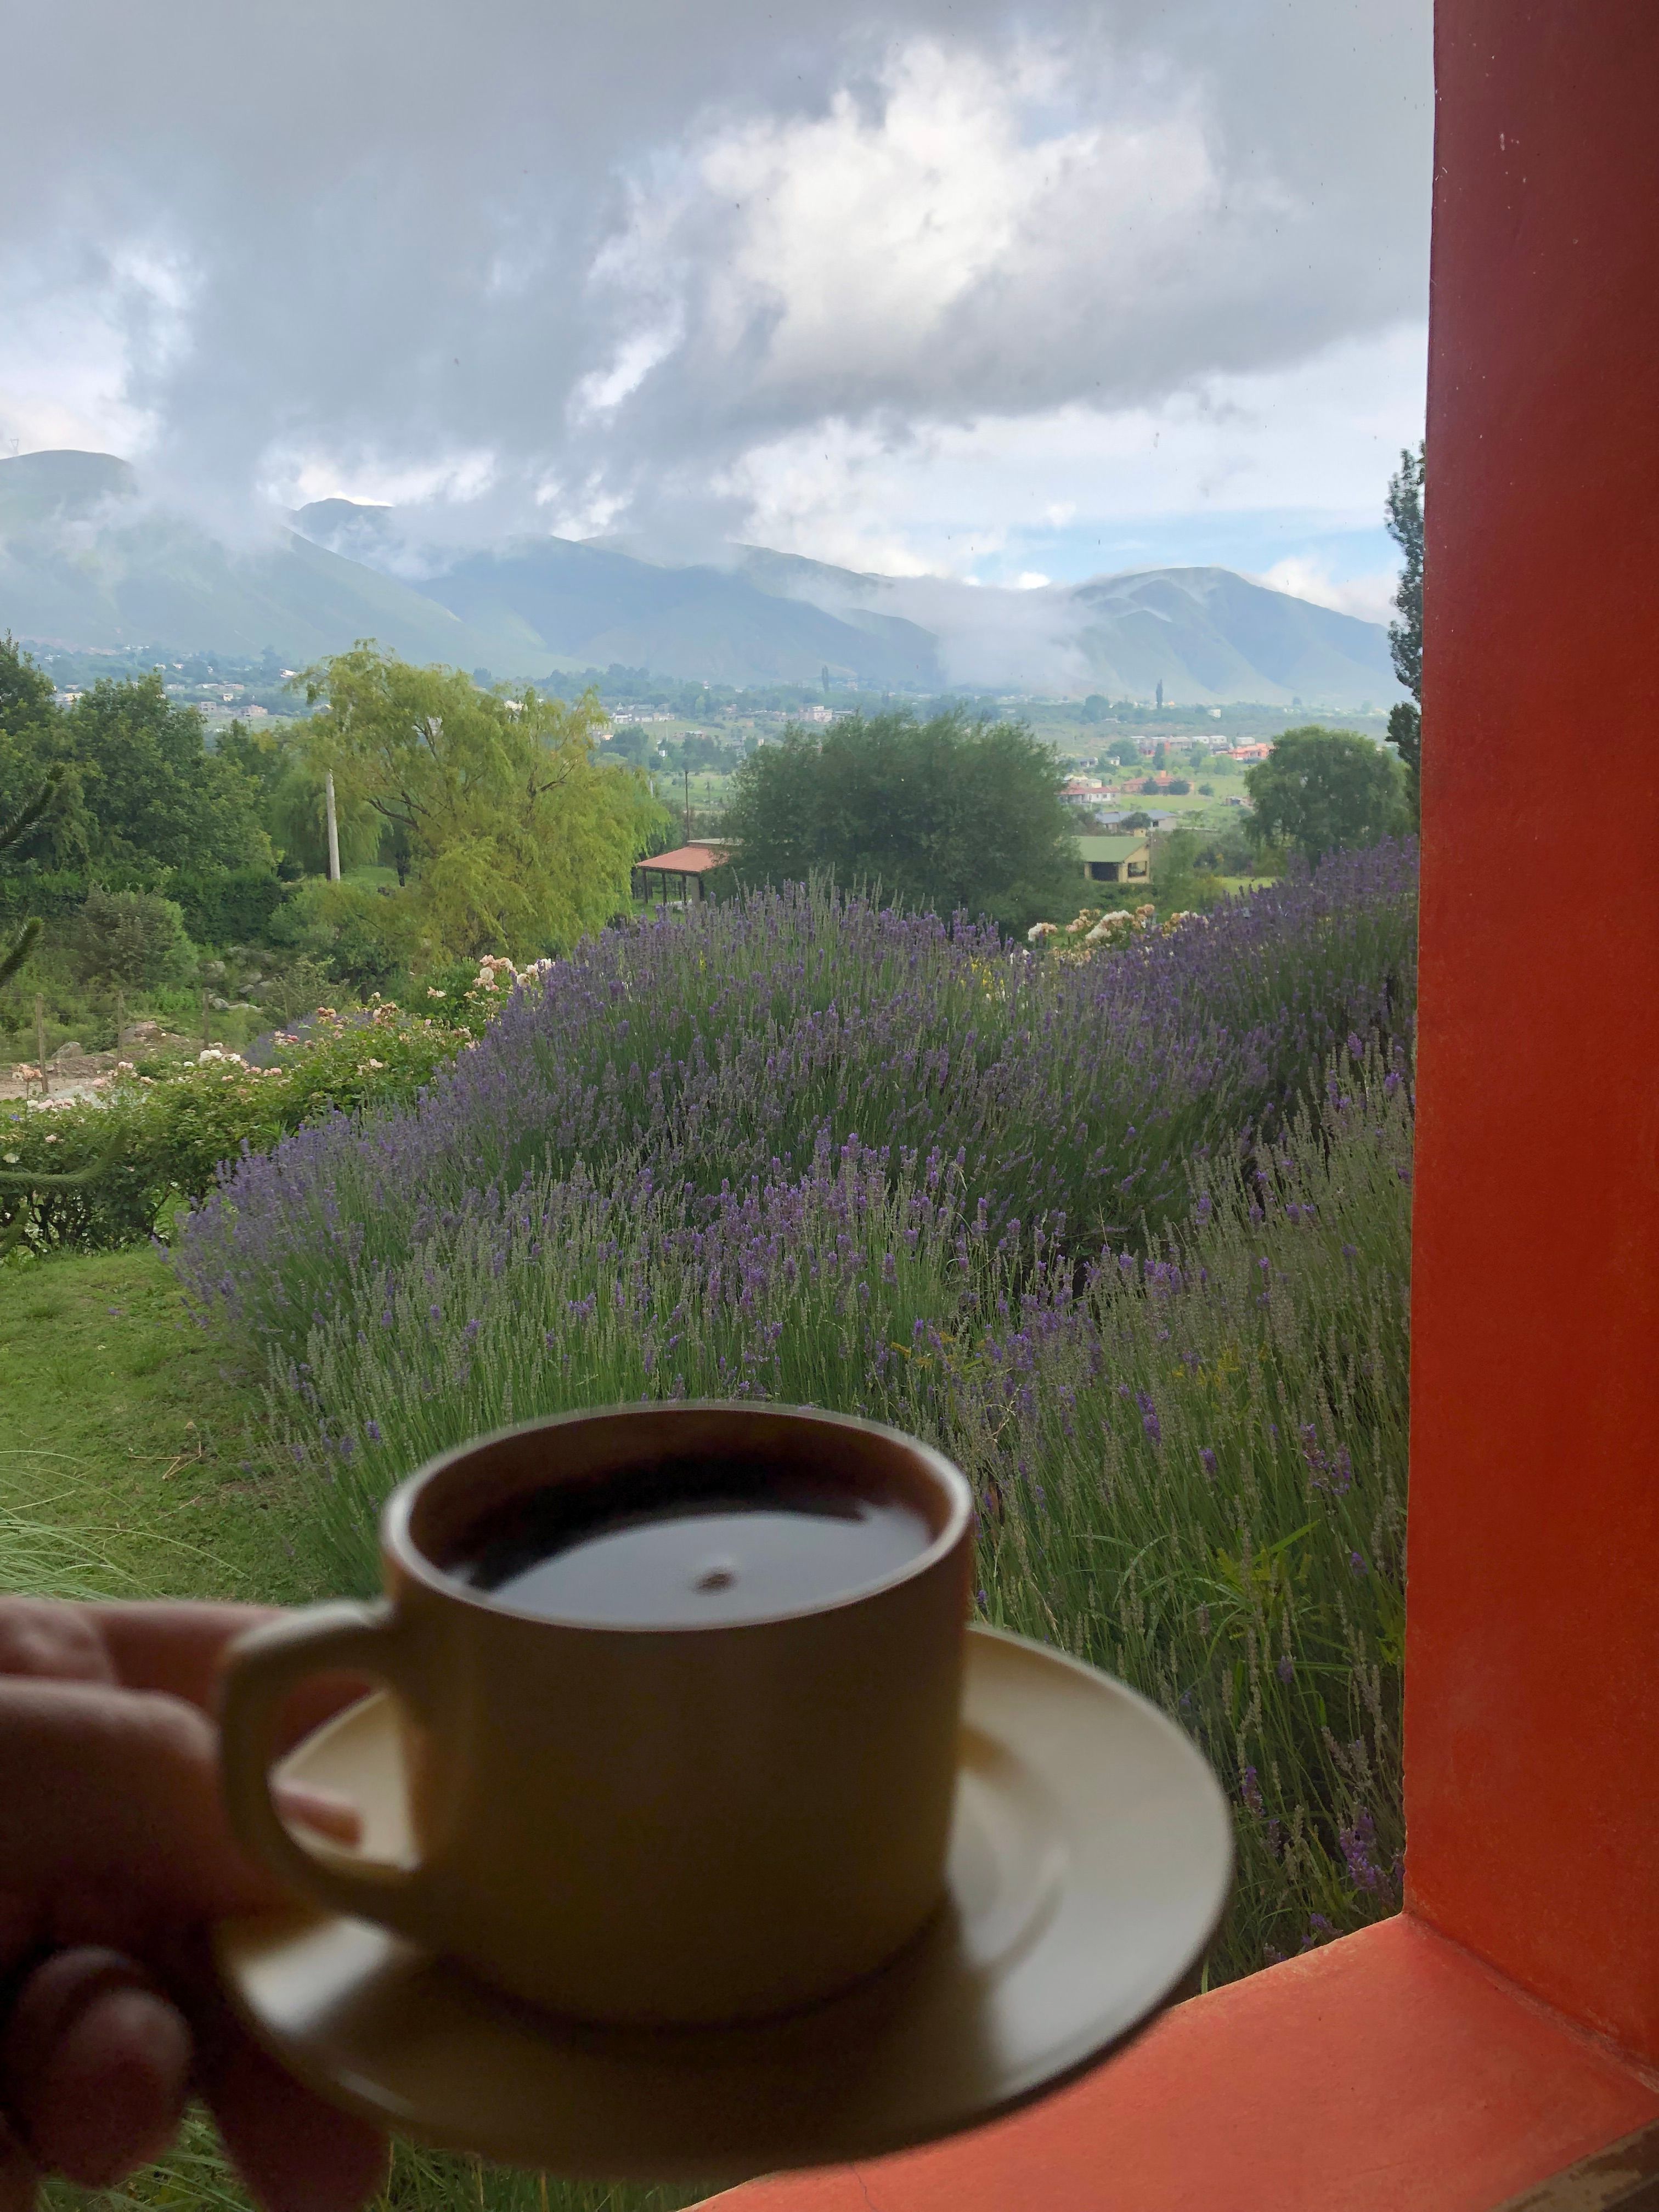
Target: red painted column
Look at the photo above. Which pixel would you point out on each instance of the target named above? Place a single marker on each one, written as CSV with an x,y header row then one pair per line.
x,y
1532,1741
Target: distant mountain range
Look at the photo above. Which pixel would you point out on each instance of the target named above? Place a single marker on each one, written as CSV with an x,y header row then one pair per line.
x,y
87,559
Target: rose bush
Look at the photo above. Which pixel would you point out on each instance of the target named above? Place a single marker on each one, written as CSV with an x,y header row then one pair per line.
x,y
179,1121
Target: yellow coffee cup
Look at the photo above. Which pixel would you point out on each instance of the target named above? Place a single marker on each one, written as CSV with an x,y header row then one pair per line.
x,y
669,1819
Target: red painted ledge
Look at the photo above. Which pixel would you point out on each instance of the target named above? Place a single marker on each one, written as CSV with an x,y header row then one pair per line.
x,y
1389,2072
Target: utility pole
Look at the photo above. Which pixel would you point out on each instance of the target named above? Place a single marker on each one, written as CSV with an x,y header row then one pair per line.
x,y
40,1039
333,827
688,805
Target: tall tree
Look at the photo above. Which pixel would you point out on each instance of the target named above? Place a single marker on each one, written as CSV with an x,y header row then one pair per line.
x,y
141,789
946,813
1319,789
1404,524
27,722
519,838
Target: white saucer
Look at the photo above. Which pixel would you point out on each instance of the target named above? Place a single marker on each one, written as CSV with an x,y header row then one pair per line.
x,y
1090,1861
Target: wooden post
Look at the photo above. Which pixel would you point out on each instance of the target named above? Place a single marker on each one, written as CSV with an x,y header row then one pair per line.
x,y
120,1016
687,806
40,1039
206,1037
333,827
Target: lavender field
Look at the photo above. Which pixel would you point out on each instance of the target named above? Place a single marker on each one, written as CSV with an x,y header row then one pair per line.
x,y
1128,1235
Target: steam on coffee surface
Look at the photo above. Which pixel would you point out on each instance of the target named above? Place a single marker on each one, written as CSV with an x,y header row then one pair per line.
x,y
700,1551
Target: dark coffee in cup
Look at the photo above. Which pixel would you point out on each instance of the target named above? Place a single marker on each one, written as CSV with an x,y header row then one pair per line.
x,y
679,1546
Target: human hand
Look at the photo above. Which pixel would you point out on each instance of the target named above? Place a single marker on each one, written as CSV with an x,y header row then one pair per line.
x,y
115,1859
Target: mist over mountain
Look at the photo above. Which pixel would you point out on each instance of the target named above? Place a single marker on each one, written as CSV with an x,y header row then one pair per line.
x,y
87,559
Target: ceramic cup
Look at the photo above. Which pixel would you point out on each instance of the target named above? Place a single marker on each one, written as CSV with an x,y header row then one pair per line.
x,y
648,1825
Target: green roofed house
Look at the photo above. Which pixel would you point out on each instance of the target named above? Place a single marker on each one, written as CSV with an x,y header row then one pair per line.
x,y
1126,860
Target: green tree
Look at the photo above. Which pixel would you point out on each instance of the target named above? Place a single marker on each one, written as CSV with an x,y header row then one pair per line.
x,y
945,814
1319,789
30,783
1404,524
152,795
519,838
27,724
297,814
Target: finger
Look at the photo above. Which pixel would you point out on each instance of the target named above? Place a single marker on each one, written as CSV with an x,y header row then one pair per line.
x,y
57,1641
95,2067
295,2153
122,1796
180,1649
169,1646
320,1810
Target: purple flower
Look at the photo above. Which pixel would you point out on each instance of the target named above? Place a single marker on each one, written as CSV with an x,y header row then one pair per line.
x,y
1357,1843
1206,1460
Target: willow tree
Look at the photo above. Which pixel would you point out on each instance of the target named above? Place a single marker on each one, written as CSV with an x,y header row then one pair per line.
x,y
520,837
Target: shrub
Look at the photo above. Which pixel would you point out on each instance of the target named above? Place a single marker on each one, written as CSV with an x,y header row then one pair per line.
x,y
224,905
132,938
731,1045
362,938
568,1295
178,1126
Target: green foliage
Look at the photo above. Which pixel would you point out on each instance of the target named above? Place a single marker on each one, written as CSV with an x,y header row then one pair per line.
x,y
1180,883
1404,521
133,940
1404,518
521,840
297,817
363,938
26,692
226,906
151,792
26,706
1320,789
945,815
172,1128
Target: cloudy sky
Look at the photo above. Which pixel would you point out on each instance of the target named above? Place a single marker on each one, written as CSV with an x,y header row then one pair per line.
x,y
1012,294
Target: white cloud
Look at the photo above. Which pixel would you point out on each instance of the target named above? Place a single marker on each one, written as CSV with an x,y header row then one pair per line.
x,y
602,390
1319,439
863,232
292,479
1371,597
82,330
896,283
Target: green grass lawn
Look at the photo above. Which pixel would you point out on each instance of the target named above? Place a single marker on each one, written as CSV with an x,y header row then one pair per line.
x,y
125,1431
134,1465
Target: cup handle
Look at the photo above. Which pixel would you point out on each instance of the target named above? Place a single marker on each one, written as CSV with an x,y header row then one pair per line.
x,y
261,1669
